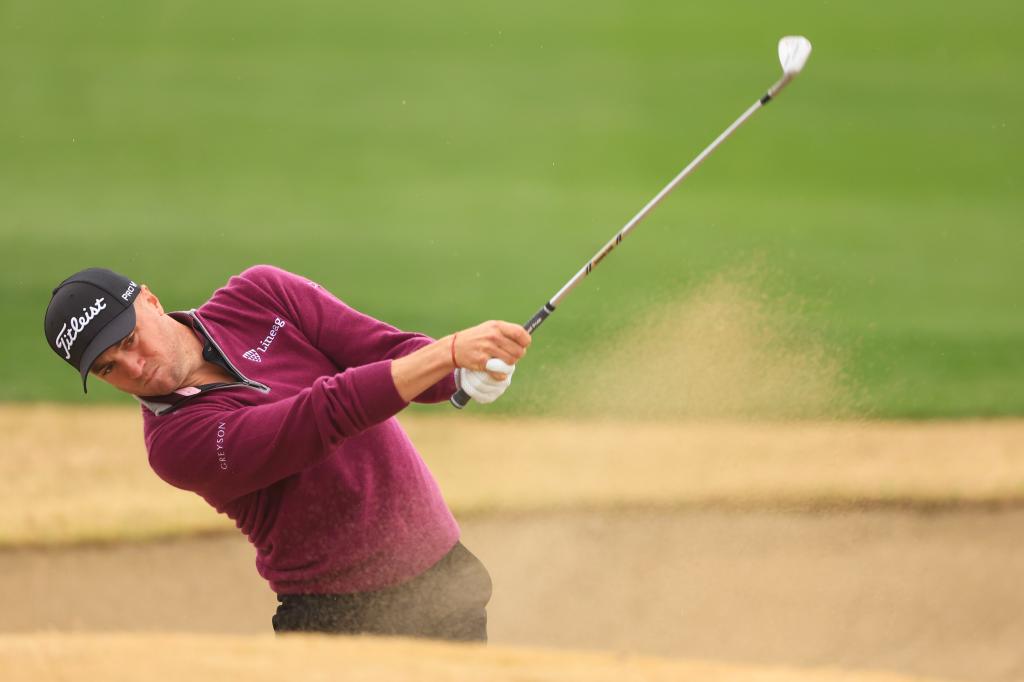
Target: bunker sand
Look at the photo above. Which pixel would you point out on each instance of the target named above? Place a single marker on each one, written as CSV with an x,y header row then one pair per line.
x,y
934,593
865,545
63,481
119,657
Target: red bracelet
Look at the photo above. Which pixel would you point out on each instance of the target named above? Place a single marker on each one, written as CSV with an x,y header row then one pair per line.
x,y
454,336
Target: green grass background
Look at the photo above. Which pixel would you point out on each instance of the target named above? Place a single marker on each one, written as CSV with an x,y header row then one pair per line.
x,y
436,164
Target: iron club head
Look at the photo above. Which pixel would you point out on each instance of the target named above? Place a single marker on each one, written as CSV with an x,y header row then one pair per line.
x,y
793,53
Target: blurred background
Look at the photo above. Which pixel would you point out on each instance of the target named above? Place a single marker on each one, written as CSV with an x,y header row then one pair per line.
x,y
817,338
439,164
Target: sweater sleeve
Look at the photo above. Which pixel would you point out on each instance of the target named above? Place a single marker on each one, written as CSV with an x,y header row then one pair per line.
x,y
345,335
223,452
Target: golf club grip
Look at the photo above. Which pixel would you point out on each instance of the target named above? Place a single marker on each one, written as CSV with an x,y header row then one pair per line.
x,y
461,398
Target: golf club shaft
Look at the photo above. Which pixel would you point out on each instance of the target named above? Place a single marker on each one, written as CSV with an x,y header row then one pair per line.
x,y
461,398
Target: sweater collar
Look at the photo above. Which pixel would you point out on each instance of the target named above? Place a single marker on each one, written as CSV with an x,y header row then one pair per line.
x,y
161,404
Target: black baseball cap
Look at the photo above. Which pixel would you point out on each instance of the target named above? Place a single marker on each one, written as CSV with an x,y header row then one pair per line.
x,y
89,312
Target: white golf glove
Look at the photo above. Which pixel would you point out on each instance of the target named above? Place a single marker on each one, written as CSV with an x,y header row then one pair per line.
x,y
480,386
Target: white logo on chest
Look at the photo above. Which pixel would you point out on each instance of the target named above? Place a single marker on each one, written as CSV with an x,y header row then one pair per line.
x,y
253,354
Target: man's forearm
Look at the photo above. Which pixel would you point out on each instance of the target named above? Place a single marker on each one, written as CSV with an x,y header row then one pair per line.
x,y
415,373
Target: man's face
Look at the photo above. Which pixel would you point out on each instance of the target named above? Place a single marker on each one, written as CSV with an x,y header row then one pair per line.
x,y
149,361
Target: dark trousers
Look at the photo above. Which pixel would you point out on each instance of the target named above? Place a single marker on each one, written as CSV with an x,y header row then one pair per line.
x,y
447,601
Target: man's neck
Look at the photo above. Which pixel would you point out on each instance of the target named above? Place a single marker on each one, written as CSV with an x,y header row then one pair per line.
x,y
203,371
210,373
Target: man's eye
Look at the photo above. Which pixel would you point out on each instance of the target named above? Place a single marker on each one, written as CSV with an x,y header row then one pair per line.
x,y
107,369
130,340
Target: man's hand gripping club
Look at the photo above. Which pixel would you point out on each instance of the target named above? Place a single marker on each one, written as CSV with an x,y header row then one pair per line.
x,y
483,356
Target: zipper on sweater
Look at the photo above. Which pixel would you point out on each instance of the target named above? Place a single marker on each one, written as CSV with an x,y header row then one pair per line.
x,y
245,380
160,409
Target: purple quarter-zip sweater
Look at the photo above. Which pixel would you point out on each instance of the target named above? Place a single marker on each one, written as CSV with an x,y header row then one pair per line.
x,y
304,453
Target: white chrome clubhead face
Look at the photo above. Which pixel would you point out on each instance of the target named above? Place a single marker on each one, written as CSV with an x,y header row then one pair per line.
x,y
793,53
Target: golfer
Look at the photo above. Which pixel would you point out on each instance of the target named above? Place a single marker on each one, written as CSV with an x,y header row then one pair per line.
x,y
276,402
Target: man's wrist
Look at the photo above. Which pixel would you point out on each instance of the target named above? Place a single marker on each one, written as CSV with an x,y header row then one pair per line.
x,y
421,369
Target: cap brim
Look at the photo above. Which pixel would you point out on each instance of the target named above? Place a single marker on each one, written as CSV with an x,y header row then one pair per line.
x,y
118,328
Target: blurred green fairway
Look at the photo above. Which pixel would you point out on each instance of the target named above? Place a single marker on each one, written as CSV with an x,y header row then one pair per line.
x,y
435,164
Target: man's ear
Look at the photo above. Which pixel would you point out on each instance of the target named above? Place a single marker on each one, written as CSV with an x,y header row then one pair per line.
x,y
149,298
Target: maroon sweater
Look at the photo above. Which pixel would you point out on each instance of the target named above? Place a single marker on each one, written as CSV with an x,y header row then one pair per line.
x,y
304,452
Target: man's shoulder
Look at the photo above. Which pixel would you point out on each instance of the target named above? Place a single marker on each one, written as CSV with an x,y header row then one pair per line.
x,y
272,274
257,282
268,279
265,272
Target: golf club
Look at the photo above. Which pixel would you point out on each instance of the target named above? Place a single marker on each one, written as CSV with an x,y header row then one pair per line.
x,y
793,54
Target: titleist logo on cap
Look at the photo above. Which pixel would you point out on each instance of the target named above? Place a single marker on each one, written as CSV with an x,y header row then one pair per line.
x,y
66,337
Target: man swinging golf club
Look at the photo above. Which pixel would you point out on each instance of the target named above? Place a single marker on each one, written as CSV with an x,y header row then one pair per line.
x,y
301,448
276,403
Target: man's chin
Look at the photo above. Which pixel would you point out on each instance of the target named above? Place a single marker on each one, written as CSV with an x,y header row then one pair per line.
x,y
157,388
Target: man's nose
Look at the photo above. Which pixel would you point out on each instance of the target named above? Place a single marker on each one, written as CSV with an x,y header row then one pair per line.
x,y
135,365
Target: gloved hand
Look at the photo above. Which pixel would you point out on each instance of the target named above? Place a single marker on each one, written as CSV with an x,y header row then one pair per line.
x,y
481,386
